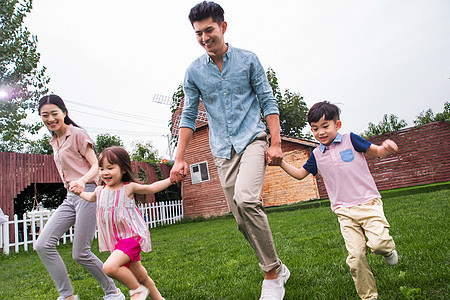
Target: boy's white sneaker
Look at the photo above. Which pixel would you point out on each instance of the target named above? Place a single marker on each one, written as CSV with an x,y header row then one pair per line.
x,y
391,259
272,289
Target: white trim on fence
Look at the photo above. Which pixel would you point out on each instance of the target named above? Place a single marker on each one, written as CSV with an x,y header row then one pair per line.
x,y
26,230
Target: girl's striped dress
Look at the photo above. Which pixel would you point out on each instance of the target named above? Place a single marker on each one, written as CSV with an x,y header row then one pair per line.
x,y
119,218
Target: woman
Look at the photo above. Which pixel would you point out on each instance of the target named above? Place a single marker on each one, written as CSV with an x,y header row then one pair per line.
x,y
78,167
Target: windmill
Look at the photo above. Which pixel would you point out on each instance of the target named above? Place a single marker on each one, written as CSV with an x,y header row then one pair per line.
x,y
162,99
166,100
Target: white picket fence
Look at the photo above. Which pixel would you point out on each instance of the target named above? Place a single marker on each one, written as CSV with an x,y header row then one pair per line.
x,y
26,230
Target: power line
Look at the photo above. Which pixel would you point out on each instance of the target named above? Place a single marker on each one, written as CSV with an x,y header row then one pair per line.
x,y
117,112
108,130
123,132
110,118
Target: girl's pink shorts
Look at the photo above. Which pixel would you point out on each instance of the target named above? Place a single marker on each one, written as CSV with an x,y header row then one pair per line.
x,y
131,248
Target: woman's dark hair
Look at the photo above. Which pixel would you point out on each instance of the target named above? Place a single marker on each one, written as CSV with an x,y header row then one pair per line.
x,y
320,109
205,10
118,155
56,100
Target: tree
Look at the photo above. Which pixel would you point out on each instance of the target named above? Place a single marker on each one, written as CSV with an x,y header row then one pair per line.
x,y
176,100
424,117
445,115
41,146
388,124
292,108
145,152
51,195
273,81
105,140
22,82
428,116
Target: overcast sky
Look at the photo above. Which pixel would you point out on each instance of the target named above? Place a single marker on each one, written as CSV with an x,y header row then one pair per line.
x,y
369,57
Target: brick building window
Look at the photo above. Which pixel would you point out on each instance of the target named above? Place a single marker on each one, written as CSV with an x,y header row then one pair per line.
x,y
199,172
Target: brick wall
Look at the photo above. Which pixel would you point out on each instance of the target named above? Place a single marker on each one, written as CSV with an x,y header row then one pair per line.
x,y
207,198
423,158
279,188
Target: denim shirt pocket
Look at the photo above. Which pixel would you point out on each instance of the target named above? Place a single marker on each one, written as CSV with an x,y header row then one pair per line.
x,y
240,84
347,155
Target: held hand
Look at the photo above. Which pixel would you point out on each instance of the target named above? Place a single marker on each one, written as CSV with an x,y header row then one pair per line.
x,y
274,156
178,171
76,187
390,146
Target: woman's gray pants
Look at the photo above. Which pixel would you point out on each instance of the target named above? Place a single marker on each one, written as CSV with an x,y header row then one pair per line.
x,y
73,211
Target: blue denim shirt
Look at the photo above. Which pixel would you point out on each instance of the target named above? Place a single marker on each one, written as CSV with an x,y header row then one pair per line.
x,y
230,98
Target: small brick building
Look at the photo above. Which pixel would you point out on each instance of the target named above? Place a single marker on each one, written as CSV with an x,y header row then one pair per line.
x,y
279,188
423,158
201,190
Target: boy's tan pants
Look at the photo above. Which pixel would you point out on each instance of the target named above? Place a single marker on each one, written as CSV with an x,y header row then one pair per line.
x,y
357,223
241,178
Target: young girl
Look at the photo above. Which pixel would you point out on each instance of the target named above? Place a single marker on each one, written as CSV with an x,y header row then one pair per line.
x,y
121,228
77,164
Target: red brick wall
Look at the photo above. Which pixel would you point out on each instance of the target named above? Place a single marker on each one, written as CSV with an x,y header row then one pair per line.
x,y
423,158
151,177
207,198
279,188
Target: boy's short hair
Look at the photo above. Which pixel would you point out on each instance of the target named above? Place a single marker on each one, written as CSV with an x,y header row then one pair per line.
x,y
320,109
206,9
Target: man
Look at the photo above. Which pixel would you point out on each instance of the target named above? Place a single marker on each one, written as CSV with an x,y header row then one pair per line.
x,y
233,87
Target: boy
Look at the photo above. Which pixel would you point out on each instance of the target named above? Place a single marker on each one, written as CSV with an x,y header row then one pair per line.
x,y
353,194
233,87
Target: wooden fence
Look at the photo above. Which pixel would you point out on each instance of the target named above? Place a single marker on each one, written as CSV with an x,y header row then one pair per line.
x,y
25,231
20,170
423,158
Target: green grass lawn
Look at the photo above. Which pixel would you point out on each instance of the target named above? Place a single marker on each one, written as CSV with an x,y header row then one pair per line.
x,y
210,259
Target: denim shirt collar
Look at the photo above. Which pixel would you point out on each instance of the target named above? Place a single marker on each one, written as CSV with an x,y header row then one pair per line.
x,y
337,139
226,55
233,99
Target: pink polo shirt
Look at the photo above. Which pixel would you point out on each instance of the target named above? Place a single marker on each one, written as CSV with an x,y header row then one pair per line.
x,y
69,155
346,174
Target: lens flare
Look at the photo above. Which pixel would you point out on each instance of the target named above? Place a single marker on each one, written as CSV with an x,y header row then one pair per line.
x,y
3,94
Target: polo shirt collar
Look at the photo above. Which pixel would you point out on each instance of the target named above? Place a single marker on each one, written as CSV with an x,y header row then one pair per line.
x,y
337,139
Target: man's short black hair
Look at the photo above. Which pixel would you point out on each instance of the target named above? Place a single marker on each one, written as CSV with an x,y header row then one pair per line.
x,y
320,109
206,9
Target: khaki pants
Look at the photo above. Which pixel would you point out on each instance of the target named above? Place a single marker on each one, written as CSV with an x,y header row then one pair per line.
x,y
357,223
241,178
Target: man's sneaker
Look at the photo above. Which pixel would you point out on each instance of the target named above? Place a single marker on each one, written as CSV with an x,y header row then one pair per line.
x,y
272,289
118,296
391,259
283,273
